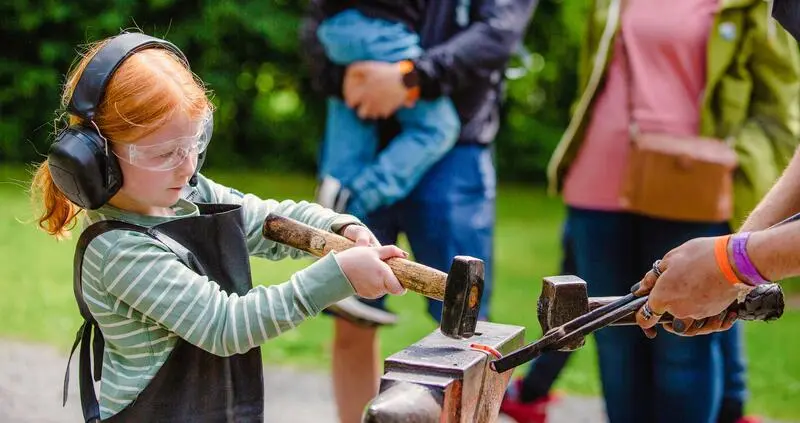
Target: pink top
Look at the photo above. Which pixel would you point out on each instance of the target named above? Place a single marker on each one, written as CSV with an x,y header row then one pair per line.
x,y
666,43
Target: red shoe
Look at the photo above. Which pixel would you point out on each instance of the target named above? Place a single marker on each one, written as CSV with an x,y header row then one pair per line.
x,y
749,419
528,412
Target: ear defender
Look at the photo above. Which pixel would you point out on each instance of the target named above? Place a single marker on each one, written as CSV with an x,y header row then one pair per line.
x,y
79,161
82,169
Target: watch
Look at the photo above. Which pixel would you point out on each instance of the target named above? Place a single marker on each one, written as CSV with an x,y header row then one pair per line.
x,y
410,79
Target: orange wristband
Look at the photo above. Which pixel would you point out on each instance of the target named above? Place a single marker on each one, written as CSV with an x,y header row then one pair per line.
x,y
721,254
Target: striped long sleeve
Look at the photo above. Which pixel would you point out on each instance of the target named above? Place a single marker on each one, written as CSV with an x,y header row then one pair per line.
x,y
144,299
148,284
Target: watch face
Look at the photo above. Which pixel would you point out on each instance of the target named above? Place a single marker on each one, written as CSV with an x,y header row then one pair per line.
x,y
411,79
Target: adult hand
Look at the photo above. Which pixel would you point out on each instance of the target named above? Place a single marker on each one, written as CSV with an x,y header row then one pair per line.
x,y
690,286
691,327
374,89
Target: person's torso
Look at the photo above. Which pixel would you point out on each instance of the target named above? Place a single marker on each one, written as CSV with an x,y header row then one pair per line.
x,y
478,105
408,12
148,371
720,114
655,80
135,346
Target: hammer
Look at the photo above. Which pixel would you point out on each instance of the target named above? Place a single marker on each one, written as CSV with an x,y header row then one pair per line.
x,y
564,298
460,290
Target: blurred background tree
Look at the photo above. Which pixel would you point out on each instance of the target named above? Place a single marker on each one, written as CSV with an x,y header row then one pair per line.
x,y
248,54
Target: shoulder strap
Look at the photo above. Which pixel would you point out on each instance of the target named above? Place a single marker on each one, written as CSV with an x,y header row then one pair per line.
x,y
91,408
633,128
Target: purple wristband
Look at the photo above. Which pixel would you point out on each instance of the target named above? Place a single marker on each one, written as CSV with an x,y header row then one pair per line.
x,y
742,261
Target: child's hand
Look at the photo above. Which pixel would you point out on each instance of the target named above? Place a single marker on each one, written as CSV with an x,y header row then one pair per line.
x,y
361,235
365,269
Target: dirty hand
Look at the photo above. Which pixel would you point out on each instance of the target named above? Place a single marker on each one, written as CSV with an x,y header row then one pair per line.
x,y
367,272
374,89
361,235
691,327
690,286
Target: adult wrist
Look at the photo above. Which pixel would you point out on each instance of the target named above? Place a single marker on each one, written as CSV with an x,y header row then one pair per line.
x,y
742,263
722,256
410,80
430,87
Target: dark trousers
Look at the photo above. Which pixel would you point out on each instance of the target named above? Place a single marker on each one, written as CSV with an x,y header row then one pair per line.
x,y
644,380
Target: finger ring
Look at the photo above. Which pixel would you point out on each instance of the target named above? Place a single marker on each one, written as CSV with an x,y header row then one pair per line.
x,y
656,270
698,324
648,312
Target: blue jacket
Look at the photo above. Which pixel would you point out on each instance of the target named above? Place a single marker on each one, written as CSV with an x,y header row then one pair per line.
x,y
467,45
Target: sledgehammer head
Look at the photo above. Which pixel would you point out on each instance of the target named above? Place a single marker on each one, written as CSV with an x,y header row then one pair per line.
x,y
563,299
462,297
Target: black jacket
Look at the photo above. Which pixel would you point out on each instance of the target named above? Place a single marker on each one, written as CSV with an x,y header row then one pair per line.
x,y
787,13
467,47
408,12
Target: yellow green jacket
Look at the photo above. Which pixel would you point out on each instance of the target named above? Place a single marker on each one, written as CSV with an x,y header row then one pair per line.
x,y
752,94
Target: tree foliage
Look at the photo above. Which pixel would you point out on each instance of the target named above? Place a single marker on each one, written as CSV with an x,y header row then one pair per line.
x,y
249,55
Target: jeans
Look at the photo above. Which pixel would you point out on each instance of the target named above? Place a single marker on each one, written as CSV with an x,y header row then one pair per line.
x,y
544,370
451,212
350,145
670,378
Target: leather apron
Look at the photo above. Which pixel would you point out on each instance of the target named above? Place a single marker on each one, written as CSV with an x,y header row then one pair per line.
x,y
193,385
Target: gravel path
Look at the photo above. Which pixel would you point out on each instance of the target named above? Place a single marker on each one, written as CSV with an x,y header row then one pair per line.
x,y
31,379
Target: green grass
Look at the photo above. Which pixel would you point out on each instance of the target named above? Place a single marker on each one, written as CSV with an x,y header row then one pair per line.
x,y
37,302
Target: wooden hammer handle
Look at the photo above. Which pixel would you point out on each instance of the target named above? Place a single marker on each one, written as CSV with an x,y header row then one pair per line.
x,y
413,276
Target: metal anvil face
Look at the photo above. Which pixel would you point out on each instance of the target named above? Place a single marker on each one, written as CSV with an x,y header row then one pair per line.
x,y
443,380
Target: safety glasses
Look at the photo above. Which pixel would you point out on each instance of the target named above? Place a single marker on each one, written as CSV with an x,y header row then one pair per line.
x,y
167,155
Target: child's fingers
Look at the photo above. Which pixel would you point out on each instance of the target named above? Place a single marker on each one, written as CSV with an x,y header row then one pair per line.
x,y
353,92
373,242
365,111
363,237
391,283
389,251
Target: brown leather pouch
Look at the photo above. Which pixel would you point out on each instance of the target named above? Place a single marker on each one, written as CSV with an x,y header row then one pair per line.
x,y
675,177
679,178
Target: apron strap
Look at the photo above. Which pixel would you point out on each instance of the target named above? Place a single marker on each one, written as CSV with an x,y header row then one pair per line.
x,y
91,408
89,403
78,337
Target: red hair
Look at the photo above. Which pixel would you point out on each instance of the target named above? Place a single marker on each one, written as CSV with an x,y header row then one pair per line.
x,y
142,95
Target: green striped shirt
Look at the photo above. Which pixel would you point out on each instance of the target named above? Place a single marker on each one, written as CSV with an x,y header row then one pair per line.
x,y
144,299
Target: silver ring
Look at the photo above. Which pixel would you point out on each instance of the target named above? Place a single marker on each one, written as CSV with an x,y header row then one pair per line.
x,y
656,269
648,312
698,324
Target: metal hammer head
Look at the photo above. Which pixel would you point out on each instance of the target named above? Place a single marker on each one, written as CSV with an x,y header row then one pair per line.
x,y
462,297
563,299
